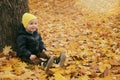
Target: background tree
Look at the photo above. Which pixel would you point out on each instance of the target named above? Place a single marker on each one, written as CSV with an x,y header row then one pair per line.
x,y
10,19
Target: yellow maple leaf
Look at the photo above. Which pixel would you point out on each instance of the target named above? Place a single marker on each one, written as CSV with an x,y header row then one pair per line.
x,y
84,78
8,67
19,68
102,67
58,76
13,61
8,77
58,70
110,54
6,50
105,78
71,67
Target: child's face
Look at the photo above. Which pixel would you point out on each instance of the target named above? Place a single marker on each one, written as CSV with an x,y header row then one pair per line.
x,y
32,25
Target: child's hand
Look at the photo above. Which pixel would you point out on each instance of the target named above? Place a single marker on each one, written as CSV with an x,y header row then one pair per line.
x,y
32,57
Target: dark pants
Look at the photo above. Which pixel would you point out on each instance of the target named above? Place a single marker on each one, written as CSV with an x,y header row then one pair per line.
x,y
38,60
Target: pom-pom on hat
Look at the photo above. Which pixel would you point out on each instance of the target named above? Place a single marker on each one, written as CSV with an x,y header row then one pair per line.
x,y
26,18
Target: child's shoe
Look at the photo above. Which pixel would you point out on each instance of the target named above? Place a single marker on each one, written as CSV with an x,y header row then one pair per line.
x,y
61,59
47,64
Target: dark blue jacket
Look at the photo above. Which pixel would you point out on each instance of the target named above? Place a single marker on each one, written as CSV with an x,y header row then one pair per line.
x,y
28,43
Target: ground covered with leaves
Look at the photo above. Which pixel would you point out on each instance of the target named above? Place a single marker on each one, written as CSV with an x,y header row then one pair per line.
x,y
90,39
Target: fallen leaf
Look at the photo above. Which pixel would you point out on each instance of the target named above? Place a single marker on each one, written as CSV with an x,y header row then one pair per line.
x,y
6,50
84,78
58,76
102,67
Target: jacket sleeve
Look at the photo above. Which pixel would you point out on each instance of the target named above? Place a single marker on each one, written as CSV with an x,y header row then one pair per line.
x,y
41,44
21,45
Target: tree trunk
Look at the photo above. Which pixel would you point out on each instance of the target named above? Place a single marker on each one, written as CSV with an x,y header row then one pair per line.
x,y
11,12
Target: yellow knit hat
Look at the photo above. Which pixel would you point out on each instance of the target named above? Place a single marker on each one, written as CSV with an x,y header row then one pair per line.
x,y
26,18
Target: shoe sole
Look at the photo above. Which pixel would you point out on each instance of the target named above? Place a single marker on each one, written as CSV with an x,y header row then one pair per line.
x,y
62,60
49,64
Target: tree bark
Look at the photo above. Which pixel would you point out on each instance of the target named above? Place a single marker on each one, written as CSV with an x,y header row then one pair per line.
x,y
11,12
